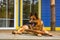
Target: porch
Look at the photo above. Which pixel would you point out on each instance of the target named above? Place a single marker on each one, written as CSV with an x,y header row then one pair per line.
x,y
7,35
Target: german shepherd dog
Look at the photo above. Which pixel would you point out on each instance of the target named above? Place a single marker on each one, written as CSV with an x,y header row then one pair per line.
x,y
35,26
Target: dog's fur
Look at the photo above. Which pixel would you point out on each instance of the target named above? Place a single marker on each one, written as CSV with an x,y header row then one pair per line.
x,y
38,28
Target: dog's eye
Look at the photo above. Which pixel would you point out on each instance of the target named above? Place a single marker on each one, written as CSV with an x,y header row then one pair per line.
x,y
33,19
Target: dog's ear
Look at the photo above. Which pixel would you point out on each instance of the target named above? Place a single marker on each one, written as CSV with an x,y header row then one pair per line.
x,y
36,15
31,14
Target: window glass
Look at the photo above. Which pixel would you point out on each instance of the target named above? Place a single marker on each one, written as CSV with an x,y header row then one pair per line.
x,y
6,13
28,7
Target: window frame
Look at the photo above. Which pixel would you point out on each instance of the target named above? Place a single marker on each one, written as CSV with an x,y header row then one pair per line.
x,y
14,19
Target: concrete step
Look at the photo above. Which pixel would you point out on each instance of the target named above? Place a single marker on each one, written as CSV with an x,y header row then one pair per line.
x,y
9,36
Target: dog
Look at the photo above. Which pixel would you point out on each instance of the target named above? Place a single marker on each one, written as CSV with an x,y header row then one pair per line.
x,y
35,26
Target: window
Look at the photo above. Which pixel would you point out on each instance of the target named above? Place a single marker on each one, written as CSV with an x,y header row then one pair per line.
x,y
7,13
28,6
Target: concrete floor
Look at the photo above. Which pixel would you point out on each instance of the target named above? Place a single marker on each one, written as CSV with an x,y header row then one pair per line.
x,y
10,36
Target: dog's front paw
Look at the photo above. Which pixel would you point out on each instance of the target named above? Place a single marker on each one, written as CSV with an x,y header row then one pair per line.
x,y
39,35
50,34
13,32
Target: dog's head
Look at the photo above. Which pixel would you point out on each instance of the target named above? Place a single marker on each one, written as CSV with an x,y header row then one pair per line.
x,y
33,17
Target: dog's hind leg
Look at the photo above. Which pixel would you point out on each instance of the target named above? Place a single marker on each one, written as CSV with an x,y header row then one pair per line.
x,y
46,32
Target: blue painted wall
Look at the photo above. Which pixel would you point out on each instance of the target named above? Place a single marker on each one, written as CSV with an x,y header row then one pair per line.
x,y
57,12
46,14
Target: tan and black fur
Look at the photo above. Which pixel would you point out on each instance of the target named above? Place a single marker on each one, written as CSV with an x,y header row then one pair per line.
x,y
37,29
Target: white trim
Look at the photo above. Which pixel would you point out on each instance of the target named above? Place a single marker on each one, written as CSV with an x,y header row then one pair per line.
x,y
14,19
5,19
6,28
6,10
15,14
